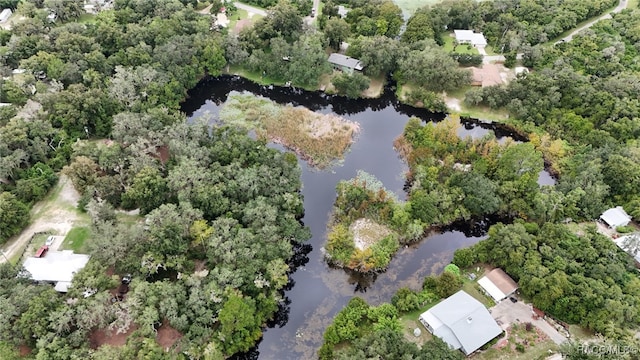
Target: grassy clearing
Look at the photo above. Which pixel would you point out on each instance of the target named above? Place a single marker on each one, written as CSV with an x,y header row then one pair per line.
x,y
319,139
376,87
410,6
86,18
478,112
632,4
449,41
76,239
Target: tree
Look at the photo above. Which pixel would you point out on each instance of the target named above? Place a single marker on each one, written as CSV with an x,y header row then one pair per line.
x,y
350,85
433,69
81,172
239,328
65,10
419,27
14,215
448,284
148,191
379,54
336,30
308,61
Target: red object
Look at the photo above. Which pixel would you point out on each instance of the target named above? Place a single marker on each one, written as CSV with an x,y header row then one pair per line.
x,y
42,251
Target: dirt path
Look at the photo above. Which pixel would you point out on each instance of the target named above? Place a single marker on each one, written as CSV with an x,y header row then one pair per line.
x,y
56,213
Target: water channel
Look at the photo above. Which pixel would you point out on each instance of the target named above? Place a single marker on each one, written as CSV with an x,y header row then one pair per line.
x,y
317,291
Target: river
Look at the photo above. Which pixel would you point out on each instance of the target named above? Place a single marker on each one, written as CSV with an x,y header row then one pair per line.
x,y
317,292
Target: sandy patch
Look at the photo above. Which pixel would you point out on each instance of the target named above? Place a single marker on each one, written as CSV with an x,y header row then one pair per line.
x,y
167,336
453,104
101,337
367,232
57,215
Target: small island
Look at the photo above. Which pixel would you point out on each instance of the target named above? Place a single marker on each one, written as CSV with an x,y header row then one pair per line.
x,y
451,178
319,139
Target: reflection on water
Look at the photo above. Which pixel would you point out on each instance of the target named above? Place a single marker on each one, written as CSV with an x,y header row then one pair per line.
x,y
316,292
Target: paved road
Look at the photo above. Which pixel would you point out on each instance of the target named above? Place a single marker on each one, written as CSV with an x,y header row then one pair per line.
x,y
250,8
621,6
506,313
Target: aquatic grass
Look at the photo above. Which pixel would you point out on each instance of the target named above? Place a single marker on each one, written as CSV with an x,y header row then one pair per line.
x,y
319,139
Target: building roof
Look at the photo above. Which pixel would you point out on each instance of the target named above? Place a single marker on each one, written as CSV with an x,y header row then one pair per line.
x,y
476,39
498,284
56,266
616,217
343,60
630,245
487,75
462,322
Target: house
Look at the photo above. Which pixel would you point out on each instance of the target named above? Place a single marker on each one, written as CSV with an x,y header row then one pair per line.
x,y
56,267
5,15
487,75
615,217
345,63
498,284
631,245
476,40
343,11
462,322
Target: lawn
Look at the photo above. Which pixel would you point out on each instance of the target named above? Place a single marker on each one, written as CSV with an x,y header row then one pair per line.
x,y
472,288
449,40
632,4
76,239
86,18
410,6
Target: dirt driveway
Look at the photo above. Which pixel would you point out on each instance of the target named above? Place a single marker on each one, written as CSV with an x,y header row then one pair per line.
x,y
506,313
56,213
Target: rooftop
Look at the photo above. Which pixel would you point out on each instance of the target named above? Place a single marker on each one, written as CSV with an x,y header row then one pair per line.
x,y
498,284
487,75
616,217
56,266
343,60
476,39
463,322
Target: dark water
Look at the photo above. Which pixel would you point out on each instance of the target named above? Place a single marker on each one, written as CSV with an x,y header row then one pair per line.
x,y
317,292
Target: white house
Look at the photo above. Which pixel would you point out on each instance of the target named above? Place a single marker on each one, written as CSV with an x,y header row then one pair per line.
x,y
498,284
615,217
5,15
630,244
477,40
57,267
462,322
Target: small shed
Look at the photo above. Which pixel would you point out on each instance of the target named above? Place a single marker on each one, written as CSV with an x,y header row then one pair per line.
x,y
5,15
498,284
476,40
345,63
615,217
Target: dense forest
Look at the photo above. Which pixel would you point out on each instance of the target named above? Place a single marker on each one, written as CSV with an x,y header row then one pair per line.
x,y
98,100
221,209
585,92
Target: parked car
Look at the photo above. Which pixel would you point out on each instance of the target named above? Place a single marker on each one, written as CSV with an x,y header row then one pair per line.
x,y
513,300
50,241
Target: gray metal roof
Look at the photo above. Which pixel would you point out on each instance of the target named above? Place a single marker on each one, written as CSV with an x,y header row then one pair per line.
x,y
343,60
466,319
616,217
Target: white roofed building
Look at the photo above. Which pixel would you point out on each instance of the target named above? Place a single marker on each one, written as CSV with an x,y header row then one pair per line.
x,y
615,217
462,322
57,267
498,284
477,40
